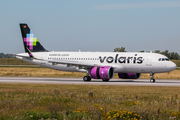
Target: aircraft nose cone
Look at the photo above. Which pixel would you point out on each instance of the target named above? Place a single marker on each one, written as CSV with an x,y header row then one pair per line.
x,y
173,66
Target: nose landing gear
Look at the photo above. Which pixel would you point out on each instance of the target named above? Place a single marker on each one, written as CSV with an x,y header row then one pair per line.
x,y
152,78
87,78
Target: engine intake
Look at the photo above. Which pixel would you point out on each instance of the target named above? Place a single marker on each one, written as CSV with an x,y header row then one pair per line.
x,y
129,75
104,72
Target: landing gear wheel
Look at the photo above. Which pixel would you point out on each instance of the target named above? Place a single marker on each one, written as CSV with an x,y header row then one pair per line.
x,y
152,80
87,78
105,80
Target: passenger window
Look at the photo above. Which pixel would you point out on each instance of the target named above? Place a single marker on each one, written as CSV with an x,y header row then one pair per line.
x,y
163,59
159,59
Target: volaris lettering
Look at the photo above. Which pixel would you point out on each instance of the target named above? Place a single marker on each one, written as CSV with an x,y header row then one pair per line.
x,y
121,59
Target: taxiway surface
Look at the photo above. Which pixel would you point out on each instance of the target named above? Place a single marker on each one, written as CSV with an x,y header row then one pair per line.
x,y
79,81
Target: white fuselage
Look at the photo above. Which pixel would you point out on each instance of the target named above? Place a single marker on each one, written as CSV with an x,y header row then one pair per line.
x,y
122,62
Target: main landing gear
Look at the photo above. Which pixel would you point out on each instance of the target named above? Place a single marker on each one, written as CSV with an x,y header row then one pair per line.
x,y
87,77
152,78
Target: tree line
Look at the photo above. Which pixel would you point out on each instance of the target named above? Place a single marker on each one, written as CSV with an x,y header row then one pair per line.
x,y
170,55
2,55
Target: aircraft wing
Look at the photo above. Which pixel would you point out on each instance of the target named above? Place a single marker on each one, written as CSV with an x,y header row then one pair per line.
x,y
84,65
73,63
66,62
27,57
20,56
81,65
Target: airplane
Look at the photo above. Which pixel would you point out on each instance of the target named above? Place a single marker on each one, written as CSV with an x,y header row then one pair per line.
x,y
97,65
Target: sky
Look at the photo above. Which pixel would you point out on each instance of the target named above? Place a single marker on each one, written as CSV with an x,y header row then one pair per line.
x,y
92,25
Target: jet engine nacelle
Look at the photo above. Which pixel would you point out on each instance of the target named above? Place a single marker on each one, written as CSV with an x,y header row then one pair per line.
x,y
104,72
129,75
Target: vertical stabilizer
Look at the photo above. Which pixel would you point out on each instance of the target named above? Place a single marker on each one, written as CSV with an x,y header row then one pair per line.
x,y
31,43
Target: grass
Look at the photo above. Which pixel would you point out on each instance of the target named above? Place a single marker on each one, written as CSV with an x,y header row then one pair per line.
x,y
13,61
87,102
168,75
37,72
34,71
177,62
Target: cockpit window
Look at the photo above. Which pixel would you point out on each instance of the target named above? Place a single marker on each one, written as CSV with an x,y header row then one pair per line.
x,y
167,59
163,59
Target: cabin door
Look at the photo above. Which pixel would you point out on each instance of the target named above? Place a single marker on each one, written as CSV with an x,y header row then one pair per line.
x,y
43,59
148,61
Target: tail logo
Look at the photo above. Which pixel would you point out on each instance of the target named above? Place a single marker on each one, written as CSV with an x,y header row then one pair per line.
x,y
30,40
